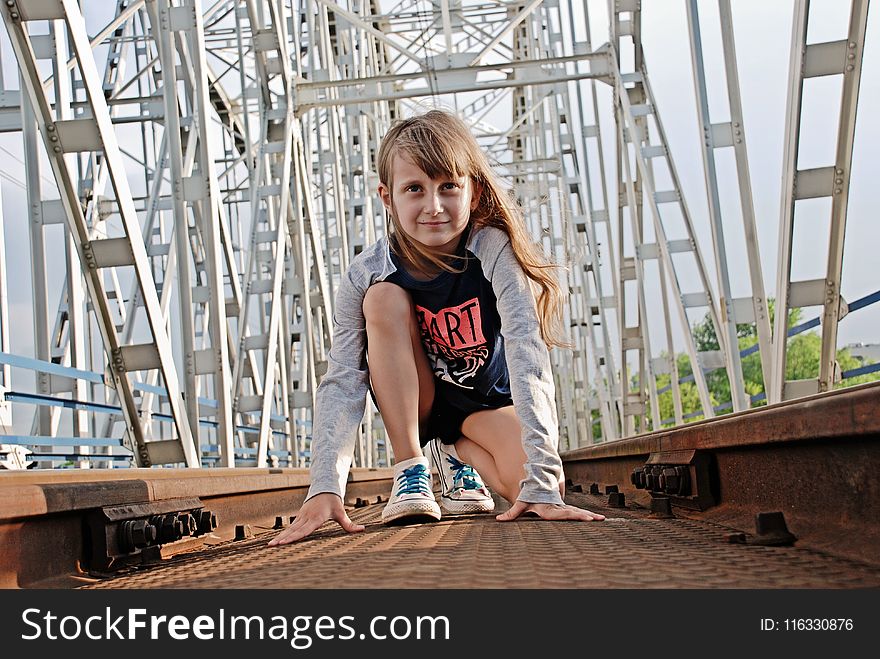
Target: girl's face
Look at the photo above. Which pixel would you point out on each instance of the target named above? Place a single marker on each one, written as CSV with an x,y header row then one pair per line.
x,y
433,211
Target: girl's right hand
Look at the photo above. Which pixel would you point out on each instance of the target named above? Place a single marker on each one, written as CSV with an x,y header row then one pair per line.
x,y
313,514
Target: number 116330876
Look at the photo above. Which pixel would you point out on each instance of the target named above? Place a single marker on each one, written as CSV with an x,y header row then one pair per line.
x,y
807,624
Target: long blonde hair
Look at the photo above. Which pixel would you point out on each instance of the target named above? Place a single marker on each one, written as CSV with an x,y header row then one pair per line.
x,y
442,145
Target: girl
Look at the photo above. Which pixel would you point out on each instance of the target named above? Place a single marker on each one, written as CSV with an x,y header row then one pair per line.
x,y
458,344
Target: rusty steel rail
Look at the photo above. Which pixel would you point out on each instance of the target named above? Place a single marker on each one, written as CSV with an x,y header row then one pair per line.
x,y
52,523
813,459
681,504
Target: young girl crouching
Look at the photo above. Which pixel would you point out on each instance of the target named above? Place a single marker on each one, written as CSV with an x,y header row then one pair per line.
x,y
447,323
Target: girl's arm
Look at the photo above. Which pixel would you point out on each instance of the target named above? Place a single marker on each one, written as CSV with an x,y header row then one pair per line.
x,y
341,396
531,380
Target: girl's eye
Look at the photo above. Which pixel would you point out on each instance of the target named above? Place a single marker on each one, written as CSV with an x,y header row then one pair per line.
x,y
412,188
450,186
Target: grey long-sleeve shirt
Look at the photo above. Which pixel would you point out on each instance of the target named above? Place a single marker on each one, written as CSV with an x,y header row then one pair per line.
x,y
342,394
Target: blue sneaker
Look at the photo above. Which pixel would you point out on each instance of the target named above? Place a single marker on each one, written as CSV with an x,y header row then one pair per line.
x,y
463,490
412,500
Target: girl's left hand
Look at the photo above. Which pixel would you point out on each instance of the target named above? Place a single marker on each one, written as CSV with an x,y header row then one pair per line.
x,y
550,511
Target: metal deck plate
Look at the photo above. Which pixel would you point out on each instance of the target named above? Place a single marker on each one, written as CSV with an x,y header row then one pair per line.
x,y
629,550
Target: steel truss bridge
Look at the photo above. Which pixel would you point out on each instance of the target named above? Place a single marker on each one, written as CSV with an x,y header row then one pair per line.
x,y
199,175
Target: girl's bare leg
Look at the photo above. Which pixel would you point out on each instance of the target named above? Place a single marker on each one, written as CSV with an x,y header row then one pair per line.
x,y
492,443
400,375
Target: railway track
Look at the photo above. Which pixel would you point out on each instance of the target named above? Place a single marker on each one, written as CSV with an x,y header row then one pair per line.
x,y
778,497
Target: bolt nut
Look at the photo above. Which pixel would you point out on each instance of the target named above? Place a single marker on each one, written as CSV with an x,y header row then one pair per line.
x,y
136,534
671,480
243,531
207,522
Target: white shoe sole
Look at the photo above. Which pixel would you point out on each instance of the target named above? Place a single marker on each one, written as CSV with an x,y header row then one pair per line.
x,y
463,507
457,506
411,512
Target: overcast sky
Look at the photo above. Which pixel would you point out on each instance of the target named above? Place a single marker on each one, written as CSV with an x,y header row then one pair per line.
x,y
763,42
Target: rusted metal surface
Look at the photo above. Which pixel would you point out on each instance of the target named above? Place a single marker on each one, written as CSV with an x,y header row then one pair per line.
x,y
631,549
845,413
44,515
813,459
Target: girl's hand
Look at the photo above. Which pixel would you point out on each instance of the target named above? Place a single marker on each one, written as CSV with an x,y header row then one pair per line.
x,y
313,513
553,512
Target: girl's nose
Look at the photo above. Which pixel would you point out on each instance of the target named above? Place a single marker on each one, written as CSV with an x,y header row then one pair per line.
x,y
433,205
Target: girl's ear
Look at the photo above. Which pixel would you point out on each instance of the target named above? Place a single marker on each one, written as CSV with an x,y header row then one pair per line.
x,y
477,192
385,196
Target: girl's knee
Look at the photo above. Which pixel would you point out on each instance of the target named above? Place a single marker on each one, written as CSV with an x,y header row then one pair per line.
x,y
510,486
385,302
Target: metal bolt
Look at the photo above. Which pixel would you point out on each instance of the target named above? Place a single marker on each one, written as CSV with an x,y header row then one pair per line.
x,y
50,128
10,3
137,533
671,481
635,478
772,529
207,522
56,149
190,526
661,507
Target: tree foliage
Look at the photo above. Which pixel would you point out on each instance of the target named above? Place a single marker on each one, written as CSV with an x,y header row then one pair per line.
x,y
802,363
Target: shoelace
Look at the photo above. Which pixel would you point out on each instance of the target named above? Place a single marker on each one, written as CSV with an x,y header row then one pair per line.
x,y
465,474
414,481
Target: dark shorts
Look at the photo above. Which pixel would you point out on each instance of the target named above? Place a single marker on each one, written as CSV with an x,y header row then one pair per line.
x,y
446,418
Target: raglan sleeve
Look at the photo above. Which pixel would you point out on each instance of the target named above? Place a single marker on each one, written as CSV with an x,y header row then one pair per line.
x,y
531,379
341,396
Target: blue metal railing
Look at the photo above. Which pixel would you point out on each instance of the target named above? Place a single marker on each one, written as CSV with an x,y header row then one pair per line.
x,y
862,302
40,366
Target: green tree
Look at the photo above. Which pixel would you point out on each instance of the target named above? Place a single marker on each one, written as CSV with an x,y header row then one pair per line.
x,y
802,357
802,363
